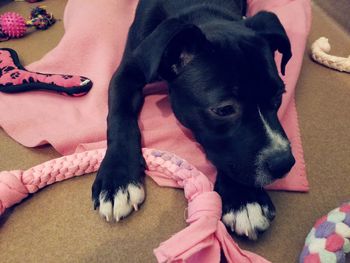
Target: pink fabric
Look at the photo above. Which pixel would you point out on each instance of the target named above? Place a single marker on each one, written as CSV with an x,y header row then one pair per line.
x,y
201,241
71,124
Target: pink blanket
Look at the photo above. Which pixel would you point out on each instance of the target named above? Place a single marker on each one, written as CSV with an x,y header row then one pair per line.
x,y
75,124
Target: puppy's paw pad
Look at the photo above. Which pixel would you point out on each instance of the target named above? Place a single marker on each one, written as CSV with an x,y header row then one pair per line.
x,y
124,201
248,220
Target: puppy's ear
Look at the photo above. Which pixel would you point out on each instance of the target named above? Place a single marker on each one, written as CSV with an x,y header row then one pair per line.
x,y
269,27
171,46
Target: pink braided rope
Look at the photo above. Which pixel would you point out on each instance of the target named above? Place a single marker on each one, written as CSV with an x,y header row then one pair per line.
x,y
17,185
201,241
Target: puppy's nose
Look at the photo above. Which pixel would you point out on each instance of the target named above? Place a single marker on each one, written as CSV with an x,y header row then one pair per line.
x,y
280,164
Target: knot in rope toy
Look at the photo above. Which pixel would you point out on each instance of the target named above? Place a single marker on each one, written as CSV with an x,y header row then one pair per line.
x,y
328,240
319,50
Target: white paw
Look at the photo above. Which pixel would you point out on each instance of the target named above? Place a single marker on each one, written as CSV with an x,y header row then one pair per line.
x,y
248,220
125,200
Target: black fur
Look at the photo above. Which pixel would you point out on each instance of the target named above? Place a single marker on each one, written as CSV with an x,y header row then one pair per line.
x,y
220,70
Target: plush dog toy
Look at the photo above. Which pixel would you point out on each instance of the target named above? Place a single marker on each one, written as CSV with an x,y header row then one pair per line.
x,y
15,78
328,240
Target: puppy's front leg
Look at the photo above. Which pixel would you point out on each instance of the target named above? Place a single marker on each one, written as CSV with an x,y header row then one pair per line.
x,y
245,210
118,187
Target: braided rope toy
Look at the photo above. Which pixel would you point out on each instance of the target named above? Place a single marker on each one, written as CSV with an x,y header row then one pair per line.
x,y
328,241
201,241
319,50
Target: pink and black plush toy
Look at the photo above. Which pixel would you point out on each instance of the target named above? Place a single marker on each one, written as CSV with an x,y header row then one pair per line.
x,y
15,78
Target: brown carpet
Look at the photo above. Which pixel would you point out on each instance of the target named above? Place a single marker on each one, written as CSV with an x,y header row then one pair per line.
x,y
58,224
338,10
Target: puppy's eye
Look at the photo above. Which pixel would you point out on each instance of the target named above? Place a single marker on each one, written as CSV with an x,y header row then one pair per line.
x,y
224,110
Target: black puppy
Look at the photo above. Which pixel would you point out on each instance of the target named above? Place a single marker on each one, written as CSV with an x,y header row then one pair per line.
x,y
223,85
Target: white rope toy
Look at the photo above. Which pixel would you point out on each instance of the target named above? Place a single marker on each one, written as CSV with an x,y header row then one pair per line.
x,y
319,50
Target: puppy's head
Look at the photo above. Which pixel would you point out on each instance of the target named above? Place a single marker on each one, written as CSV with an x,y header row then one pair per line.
x,y
224,86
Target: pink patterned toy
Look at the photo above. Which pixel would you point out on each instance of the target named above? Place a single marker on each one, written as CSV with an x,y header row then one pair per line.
x,y
15,78
13,24
201,241
328,240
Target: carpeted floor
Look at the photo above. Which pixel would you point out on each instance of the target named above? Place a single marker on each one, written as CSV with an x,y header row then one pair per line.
x,y
338,10
58,224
